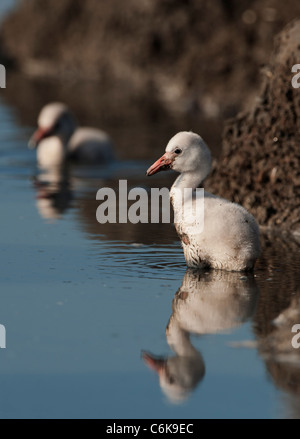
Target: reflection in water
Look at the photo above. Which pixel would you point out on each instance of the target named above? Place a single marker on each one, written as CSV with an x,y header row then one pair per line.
x,y
281,352
76,186
277,312
278,309
53,192
143,233
206,303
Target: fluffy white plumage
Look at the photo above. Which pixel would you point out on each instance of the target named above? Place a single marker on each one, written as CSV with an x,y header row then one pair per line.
x,y
58,139
230,236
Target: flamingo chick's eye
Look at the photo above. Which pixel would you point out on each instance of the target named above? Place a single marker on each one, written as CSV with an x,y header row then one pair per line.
x,y
178,151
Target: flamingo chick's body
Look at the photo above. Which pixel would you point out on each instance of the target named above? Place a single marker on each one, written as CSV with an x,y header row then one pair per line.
x,y
229,239
58,139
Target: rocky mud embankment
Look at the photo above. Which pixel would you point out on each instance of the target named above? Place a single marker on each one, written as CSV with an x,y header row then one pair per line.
x,y
260,163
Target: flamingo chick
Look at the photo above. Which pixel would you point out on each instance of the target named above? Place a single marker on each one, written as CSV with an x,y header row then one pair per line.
x,y
58,139
229,238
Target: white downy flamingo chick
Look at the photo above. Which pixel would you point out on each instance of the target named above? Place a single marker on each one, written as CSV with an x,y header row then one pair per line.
x,y
58,139
229,239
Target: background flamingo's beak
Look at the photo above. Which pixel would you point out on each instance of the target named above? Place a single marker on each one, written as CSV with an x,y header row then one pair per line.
x,y
37,136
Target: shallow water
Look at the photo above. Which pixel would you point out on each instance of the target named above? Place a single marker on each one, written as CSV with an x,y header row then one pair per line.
x,y
86,308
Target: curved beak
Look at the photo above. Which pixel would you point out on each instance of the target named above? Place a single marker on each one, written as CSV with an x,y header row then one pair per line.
x,y
155,363
37,136
162,164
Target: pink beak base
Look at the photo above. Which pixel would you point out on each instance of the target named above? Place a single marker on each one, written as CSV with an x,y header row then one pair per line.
x,y
161,164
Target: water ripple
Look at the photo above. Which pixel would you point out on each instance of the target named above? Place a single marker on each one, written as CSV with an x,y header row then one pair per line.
x,y
139,260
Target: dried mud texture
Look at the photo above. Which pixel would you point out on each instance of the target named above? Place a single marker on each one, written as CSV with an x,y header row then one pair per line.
x,y
259,166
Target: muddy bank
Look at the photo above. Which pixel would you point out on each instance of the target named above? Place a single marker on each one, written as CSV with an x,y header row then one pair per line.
x,y
192,55
259,166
